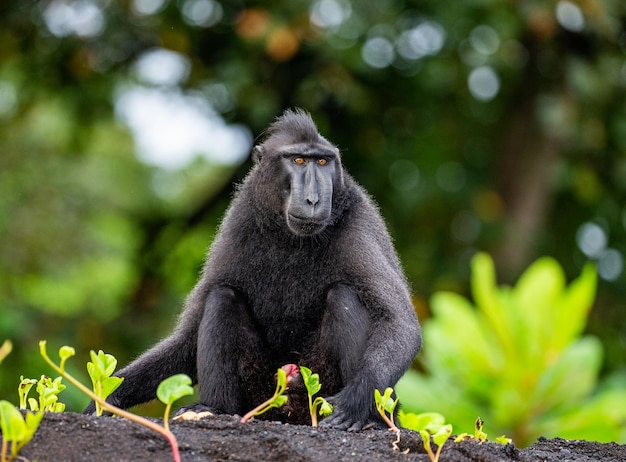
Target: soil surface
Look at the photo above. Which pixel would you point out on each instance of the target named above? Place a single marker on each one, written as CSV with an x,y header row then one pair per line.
x,y
77,437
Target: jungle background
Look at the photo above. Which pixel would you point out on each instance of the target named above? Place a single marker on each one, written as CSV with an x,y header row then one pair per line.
x,y
478,125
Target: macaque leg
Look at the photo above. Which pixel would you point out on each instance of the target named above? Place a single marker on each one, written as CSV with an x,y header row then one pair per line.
x,y
231,362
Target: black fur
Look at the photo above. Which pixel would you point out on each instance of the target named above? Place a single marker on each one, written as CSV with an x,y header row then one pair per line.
x,y
330,295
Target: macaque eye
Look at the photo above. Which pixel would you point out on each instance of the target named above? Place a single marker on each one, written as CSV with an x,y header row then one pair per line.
x,y
322,161
299,160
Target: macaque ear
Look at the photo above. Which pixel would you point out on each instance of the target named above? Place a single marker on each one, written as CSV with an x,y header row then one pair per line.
x,y
257,153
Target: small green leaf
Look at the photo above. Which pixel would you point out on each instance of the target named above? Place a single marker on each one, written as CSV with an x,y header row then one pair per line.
x,y
104,364
503,440
42,348
24,389
279,401
387,402
58,407
281,380
110,384
33,404
442,435
173,388
463,437
92,370
429,421
311,381
5,349
65,353
32,422
478,430
326,409
11,422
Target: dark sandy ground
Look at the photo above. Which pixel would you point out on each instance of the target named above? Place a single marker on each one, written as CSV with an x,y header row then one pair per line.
x,y
76,437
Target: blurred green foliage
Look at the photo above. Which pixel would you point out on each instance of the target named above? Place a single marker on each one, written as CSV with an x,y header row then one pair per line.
x,y
518,358
476,125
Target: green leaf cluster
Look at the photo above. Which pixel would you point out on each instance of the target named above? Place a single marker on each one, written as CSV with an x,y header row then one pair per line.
x,y
313,386
48,390
518,357
428,424
17,429
100,368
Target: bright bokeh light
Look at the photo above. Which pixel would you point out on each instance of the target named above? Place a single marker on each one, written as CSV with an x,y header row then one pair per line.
x,y
610,265
83,18
591,240
483,83
378,52
484,39
330,14
570,16
171,128
162,67
148,7
426,38
202,13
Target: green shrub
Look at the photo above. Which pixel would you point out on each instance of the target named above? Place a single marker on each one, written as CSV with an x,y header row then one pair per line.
x,y
518,358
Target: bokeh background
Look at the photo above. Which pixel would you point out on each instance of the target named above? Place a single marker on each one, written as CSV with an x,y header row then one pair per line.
x,y
486,125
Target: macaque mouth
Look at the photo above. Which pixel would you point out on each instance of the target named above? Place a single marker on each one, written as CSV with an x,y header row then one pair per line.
x,y
305,226
305,220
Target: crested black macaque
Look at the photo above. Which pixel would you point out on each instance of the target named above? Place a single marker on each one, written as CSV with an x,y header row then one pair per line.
x,y
302,271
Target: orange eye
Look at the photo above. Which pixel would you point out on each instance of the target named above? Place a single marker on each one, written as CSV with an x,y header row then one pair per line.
x,y
322,161
299,160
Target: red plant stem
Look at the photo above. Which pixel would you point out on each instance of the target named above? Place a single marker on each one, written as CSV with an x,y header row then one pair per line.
x,y
171,438
260,409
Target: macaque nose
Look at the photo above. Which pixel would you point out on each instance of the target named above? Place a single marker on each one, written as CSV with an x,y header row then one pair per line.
x,y
312,199
311,195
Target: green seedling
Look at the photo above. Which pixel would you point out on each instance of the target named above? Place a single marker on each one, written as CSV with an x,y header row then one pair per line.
x,y
171,390
24,389
319,405
17,429
279,398
503,439
48,391
480,435
386,405
65,353
429,421
100,368
427,424
439,438
5,349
